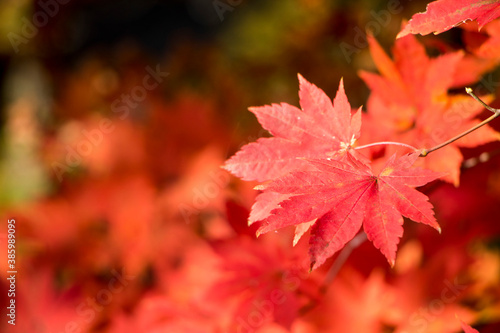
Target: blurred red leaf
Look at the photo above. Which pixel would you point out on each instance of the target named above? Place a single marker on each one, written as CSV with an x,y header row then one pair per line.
x,y
260,283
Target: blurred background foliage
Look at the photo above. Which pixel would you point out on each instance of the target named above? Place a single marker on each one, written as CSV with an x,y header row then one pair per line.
x,y
82,53
148,196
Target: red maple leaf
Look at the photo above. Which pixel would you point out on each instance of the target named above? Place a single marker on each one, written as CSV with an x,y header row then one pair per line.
x,y
343,195
443,15
319,130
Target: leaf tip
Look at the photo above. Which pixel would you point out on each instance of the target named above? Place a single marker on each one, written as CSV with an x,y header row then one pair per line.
x,y
311,267
302,80
401,34
228,167
404,31
392,262
253,109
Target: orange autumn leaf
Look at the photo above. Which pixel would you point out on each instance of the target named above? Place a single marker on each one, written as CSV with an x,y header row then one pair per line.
x,y
410,103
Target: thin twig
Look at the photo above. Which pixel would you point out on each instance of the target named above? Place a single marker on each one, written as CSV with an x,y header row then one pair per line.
x,y
469,91
341,259
496,113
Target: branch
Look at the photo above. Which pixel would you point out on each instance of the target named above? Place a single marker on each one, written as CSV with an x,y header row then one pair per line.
x,y
341,259
334,270
469,91
496,113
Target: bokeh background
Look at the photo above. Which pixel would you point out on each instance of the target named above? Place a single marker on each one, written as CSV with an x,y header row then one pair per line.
x,y
115,119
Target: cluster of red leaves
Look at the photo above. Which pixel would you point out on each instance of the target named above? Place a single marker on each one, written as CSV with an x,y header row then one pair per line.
x,y
148,234
319,180
314,179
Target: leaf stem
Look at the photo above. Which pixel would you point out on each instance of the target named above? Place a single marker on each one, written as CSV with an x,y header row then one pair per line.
x,y
496,113
386,143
